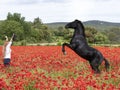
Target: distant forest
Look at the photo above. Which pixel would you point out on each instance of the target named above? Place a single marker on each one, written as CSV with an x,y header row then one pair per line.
x,y
97,32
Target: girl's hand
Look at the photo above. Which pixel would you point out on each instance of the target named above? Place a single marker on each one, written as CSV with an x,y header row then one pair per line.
x,y
6,38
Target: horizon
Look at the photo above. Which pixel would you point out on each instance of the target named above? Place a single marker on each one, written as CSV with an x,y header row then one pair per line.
x,y
84,21
71,21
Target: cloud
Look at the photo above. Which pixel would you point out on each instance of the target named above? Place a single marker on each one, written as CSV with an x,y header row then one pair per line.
x,y
27,2
19,2
55,1
62,10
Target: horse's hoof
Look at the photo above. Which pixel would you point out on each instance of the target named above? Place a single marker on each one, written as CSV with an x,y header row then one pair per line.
x,y
64,53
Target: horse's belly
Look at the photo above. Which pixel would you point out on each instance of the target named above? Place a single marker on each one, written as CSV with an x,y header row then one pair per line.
x,y
81,53
85,54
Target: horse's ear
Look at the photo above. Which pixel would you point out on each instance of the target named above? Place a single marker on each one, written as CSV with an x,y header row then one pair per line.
x,y
78,21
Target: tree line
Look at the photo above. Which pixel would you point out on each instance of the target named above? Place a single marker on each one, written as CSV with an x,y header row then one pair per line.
x,y
37,32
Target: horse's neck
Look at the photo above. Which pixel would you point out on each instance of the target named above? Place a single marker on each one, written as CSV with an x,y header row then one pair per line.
x,y
79,31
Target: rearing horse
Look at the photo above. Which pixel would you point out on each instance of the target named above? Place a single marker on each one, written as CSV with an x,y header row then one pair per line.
x,y
80,46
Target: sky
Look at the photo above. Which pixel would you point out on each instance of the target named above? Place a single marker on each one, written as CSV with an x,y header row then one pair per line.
x,y
62,10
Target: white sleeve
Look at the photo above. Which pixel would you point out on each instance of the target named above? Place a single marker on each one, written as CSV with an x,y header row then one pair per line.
x,y
9,44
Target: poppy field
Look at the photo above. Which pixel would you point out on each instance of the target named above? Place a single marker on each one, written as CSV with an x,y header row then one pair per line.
x,y
46,68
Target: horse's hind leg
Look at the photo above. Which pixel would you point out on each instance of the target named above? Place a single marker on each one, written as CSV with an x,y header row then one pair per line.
x,y
95,64
107,65
95,67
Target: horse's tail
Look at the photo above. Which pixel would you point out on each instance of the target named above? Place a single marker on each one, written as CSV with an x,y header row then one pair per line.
x,y
107,65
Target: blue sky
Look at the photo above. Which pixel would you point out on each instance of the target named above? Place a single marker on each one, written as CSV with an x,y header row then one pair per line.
x,y
62,10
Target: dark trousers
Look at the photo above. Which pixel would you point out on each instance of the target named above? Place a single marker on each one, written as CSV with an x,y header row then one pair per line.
x,y
6,61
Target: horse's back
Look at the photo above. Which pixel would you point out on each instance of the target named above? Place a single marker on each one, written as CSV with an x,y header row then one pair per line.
x,y
88,52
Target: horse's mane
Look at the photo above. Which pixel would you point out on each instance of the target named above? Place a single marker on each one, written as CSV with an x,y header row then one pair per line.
x,y
81,24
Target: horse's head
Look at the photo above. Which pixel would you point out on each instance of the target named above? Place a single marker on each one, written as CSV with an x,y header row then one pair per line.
x,y
77,26
73,24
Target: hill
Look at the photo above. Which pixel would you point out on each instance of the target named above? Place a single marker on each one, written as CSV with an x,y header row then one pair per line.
x,y
99,25
55,25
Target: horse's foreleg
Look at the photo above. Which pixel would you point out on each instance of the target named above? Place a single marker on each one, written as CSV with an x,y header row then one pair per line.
x,y
63,47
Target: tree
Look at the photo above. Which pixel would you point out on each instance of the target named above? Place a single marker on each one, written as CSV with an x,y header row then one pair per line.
x,y
101,38
37,23
90,34
10,27
113,35
16,17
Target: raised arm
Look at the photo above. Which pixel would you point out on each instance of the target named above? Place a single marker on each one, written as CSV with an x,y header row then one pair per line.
x,y
4,45
12,37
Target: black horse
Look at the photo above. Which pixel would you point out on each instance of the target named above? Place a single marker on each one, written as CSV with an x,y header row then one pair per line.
x,y
80,46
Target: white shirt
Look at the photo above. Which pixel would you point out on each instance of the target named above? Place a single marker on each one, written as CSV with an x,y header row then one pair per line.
x,y
8,50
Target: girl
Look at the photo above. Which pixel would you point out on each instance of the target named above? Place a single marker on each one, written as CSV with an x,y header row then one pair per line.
x,y
7,51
